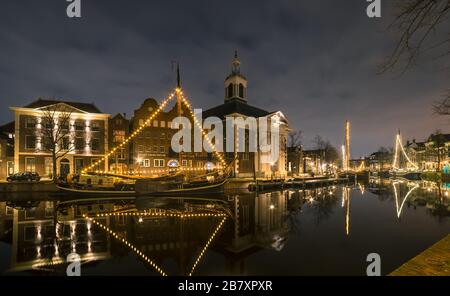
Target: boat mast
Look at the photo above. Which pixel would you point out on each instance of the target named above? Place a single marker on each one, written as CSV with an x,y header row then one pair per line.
x,y
178,92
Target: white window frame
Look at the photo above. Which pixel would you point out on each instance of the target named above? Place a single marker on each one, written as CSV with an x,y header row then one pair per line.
x,y
158,163
146,163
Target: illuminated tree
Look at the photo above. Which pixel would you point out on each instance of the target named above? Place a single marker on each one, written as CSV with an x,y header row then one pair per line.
x,y
55,133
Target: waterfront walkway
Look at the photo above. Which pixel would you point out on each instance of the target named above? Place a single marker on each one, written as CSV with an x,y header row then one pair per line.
x,y
434,261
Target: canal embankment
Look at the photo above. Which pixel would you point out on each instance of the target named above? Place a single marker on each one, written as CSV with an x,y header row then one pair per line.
x,y
434,261
23,187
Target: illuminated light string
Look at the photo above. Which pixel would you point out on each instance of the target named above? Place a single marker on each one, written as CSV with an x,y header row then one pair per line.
x,y
133,135
129,245
178,215
148,121
202,253
166,170
219,155
398,142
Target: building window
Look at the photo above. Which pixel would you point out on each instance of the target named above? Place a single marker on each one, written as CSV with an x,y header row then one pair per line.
x,y
163,124
95,127
162,149
184,163
30,233
146,163
121,154
141,148
118,121
30,164
118,136
95,144
155,149
30,122
79,164
9,211
158,163
65,143
155,123
79,143
48,163
163,135
30,142
169,124
79,125
141,122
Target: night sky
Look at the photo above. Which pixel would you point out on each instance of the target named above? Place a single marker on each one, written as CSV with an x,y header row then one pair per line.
x,y
316,61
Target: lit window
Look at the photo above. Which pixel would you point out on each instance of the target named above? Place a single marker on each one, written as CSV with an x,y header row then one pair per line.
x,y
163,124
95,144
155,123
30,164
30,142
141,122
158,163
30,123
146,163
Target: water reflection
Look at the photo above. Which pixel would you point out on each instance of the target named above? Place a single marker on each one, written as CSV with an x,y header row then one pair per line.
x,y
220,235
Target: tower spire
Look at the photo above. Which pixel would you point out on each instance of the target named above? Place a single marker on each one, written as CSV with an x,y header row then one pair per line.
x,y
236,64
178,76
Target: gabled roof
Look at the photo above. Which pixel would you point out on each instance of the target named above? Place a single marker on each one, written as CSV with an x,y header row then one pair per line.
x,y
86,107
235,106
8,128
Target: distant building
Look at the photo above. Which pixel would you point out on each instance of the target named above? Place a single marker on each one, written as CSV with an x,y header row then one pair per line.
x,y
380,161
87,137
151,149
430,154
236,105
119,130
295,161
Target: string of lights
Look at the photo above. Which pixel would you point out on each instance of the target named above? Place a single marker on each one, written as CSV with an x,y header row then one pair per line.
x,y
132,136
160,214
207,245
128,244
199,125
398,142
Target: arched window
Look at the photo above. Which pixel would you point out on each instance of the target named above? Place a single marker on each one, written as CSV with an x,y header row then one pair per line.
x,y
230,90
241,90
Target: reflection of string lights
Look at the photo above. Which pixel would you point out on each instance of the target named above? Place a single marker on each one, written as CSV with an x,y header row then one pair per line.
x,y
128,244
399,210
207,245
176,215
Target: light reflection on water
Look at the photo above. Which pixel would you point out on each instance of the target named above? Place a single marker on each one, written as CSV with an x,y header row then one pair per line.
x,y
324,231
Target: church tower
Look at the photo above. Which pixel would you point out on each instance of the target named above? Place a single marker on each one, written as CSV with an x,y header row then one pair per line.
x,y
236,83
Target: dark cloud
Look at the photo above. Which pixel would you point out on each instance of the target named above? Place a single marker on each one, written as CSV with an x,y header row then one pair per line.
x,y
314,60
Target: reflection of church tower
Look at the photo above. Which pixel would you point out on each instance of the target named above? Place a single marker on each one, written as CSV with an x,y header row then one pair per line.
x,y
236,83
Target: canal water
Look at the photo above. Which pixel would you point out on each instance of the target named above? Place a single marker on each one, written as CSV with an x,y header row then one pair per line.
x,y
324,231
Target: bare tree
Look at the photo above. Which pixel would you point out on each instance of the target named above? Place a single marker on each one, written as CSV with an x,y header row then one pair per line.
x,y
423,28
330,152
442,107
55,133
295,139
